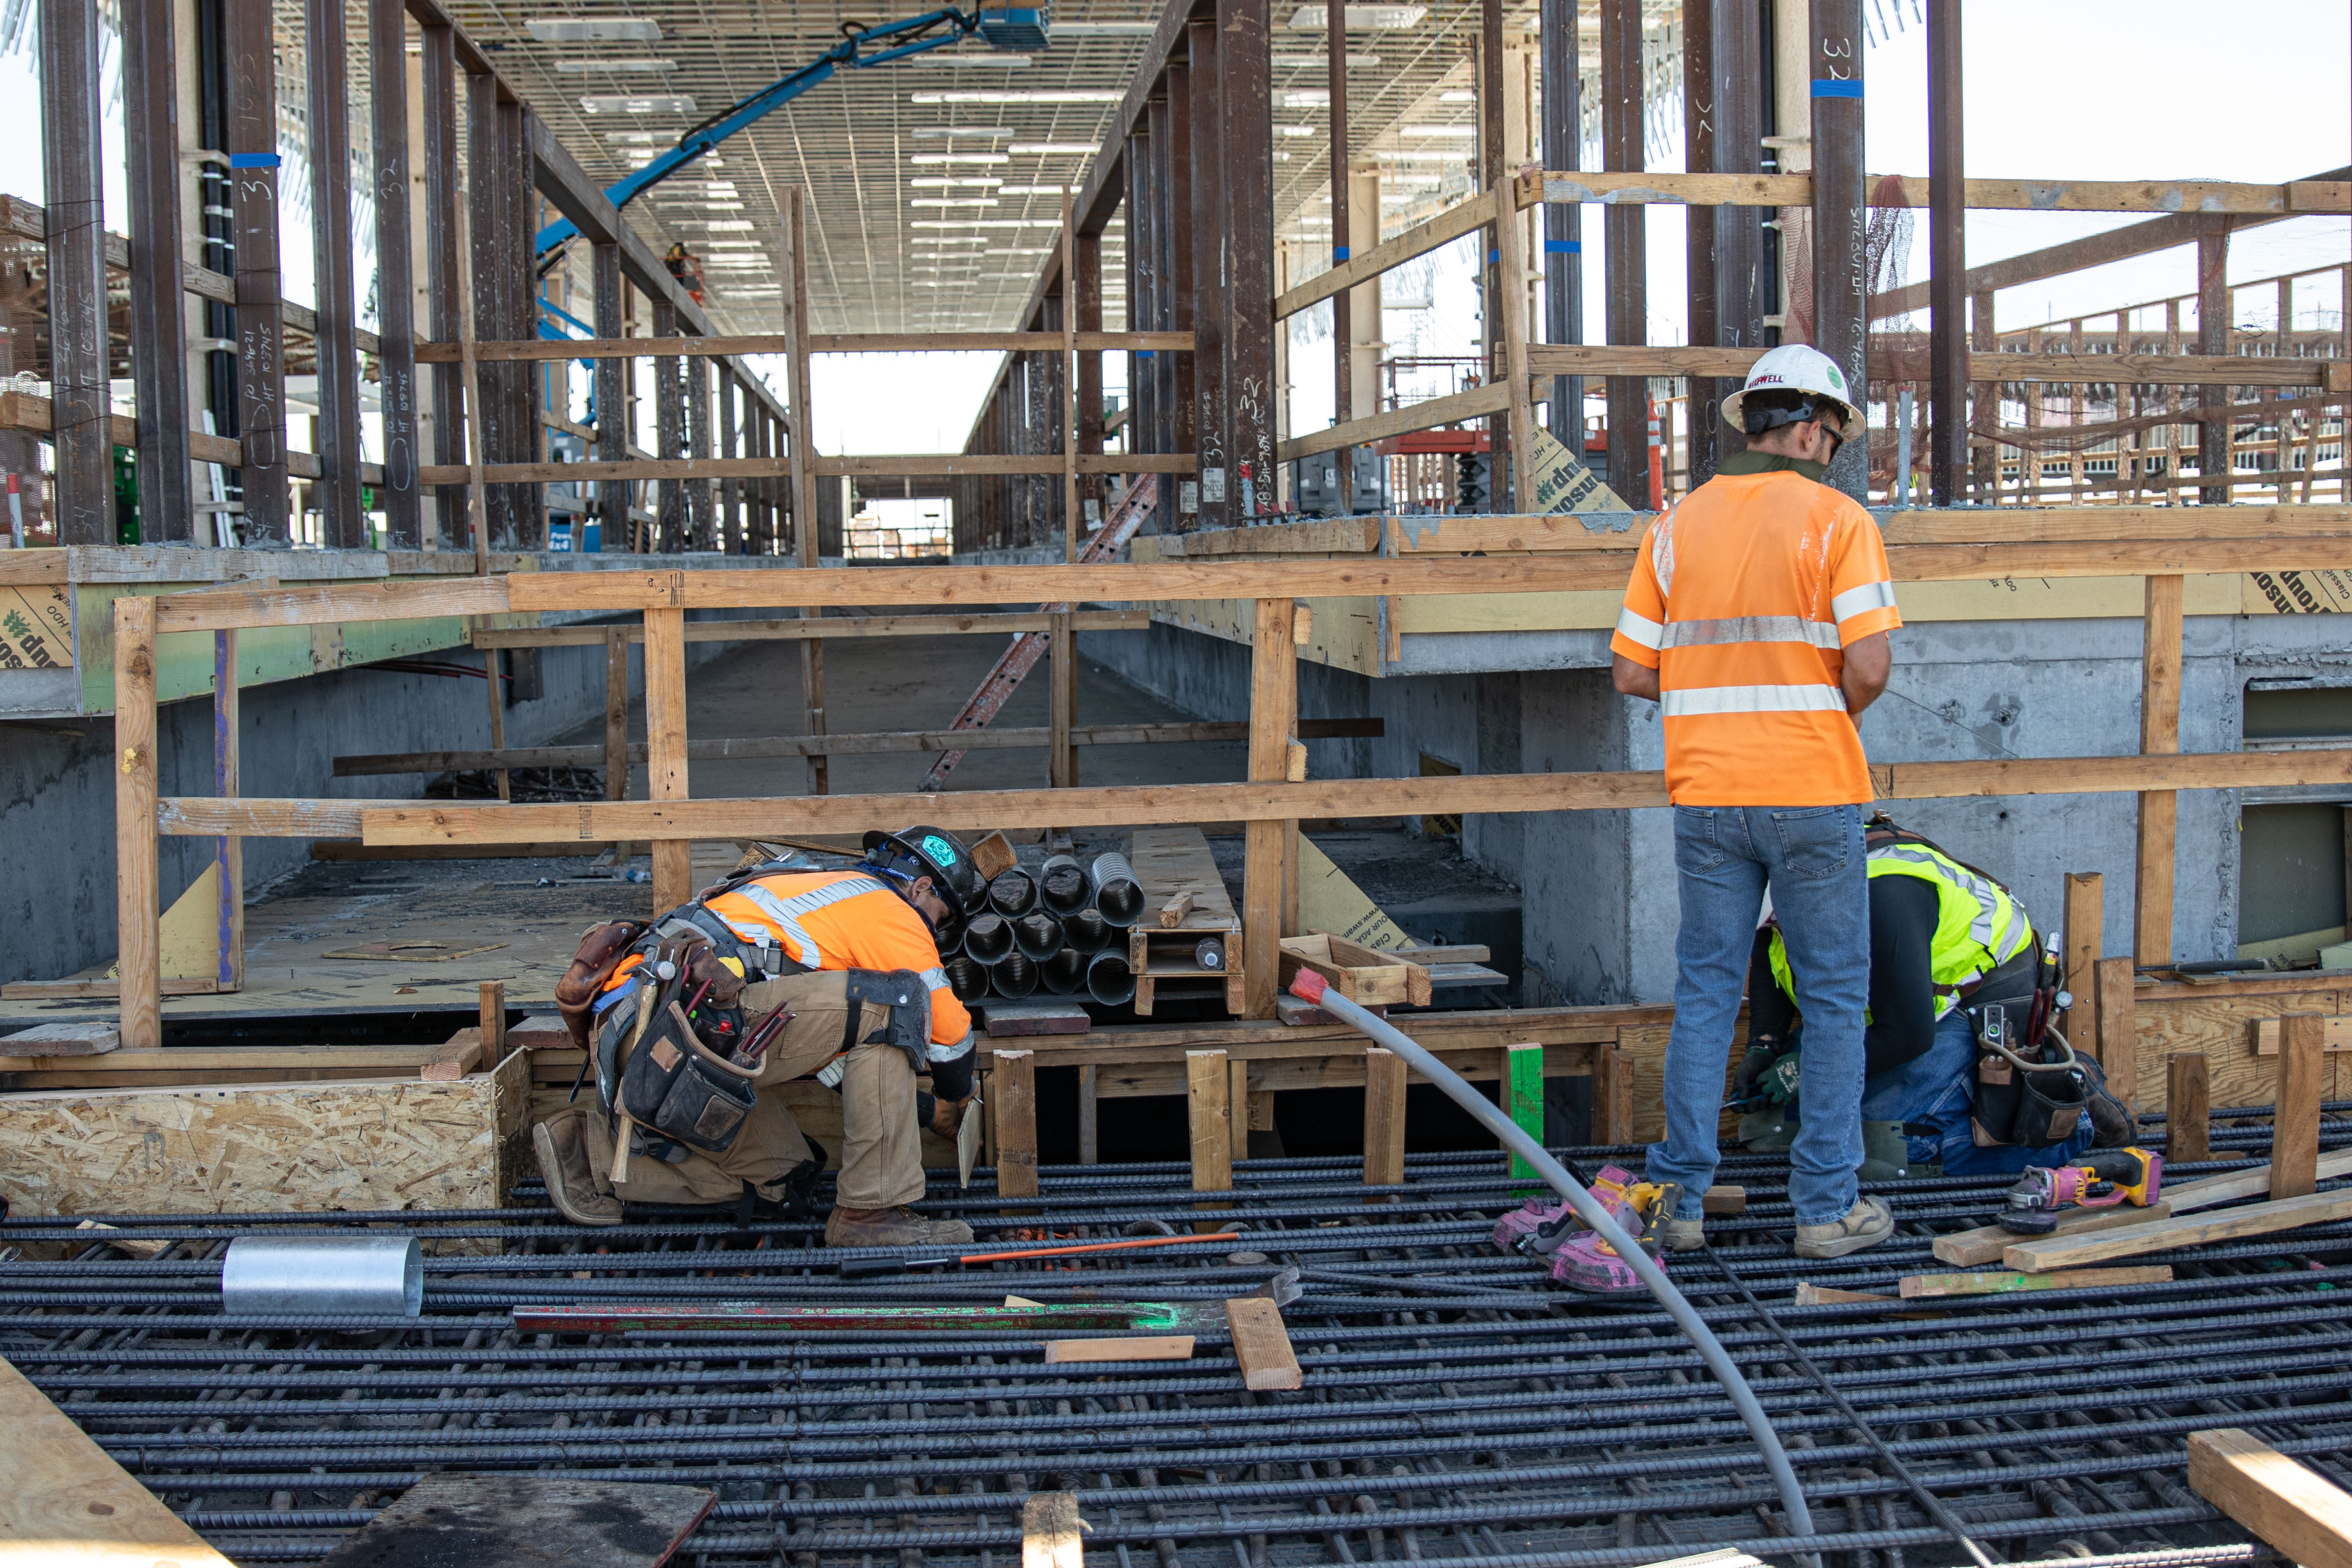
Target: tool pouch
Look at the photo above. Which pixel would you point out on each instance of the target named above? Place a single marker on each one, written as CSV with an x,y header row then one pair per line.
x,y
683,1090
601,952
910,1001
2034,1100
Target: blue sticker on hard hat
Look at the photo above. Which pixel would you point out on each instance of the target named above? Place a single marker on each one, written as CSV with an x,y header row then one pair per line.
x,y
938,850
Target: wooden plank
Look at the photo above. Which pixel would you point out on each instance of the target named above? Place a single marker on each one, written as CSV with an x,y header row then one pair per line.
x,y
1972,1248
1523,1099
494,1018
325,603
1603,533
1465,217
137,915
1491,398
1332,535
699,467
1090,1115
2163,1236
2335,1034
457,1518
67,1501
2294,1117
363,1144
89,1037
722,347
1812,1295
2188,1122
1612,1094
2118,1030
1015,1020
1209,1104
1016,1104
449,1062
1049,1521
1139,1347
2082,940
1261,1345
2159,731
1546,360
1384,1087
2305,1516
2004,1282
1574,188
666,768
841,626
1273,718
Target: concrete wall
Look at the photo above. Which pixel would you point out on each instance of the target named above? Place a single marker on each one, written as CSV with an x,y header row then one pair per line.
x,y
1600,911
56,783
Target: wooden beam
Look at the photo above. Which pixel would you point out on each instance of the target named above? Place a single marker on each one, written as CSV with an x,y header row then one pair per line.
x,y
2294,1117
2187,1125
1209,1102
666,768
1985,1244
2118,1031
1547,360
137,913
829,629
2010,1282
2165,1235
1273,716
1384,1087
1262,1345
2084,916
68,1502
1015,1102
2160,734
724,347
1574,186
1612,1094
2307,1518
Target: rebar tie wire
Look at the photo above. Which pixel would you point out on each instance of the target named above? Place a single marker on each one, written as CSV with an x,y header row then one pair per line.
x,y
1928,1501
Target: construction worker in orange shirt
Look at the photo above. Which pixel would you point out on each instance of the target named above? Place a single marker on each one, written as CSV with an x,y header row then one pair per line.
x,y
1757,619
780,972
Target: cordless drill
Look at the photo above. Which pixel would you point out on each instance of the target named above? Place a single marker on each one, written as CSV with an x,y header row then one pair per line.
x,y
2101,1179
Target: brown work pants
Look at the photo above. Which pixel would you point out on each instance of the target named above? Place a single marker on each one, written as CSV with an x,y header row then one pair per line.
x,y
881,1157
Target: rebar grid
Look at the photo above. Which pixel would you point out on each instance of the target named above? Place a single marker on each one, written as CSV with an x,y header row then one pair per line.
x,y
1458,1405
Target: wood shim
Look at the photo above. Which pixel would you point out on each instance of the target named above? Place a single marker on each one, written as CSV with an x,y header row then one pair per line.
x,y
246,1148
2290,1507
68,1502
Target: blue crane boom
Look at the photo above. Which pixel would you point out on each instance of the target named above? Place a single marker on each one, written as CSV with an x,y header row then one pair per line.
x,y
1000,28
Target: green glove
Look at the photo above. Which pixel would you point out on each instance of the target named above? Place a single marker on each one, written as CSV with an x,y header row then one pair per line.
x,y
1778,1085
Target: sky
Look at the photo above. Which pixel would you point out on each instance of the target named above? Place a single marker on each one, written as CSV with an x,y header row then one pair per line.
x,y
2095,89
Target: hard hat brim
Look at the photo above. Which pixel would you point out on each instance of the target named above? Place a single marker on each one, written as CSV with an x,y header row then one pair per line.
x,y
1733,406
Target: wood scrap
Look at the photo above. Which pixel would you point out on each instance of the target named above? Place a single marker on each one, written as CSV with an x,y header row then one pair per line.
x,y
1261,1345
1141,1347
90,1039
992,855
1722,1200
1050,1532
1013,1020
2165,1235
1809,1295
2288,1506
1173,913
1363,975
137,1245
1969,1248
2003,1282
460,1055
68,1502
449,1518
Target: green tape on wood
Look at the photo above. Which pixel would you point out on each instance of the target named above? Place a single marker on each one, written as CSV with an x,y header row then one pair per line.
x,y
1523,1091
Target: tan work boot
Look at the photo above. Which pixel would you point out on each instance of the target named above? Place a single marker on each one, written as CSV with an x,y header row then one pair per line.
x,y
572,1184
900,1226
1865,1225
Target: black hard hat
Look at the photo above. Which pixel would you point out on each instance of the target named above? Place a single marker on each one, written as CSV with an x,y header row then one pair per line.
x,y
940,854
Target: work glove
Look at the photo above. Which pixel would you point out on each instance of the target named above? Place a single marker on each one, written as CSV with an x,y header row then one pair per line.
x,y
1779,1083
1752,1067
947,1117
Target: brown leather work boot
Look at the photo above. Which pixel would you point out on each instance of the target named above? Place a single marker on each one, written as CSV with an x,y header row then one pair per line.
x,y
572,1184
900,1227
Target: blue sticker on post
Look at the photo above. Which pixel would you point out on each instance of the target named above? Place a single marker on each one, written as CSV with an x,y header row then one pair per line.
x,y
1563,248
1825,87
253,160
1340,253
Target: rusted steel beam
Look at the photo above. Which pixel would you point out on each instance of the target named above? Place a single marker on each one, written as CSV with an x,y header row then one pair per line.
x,y
1947,352
327,58
1628,254
158,319
395,292
1840,210
443,308
71,150
1563,223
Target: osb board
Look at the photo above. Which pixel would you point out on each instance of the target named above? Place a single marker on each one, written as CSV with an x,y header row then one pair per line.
x,y
2223,1028
816,1109
376,1145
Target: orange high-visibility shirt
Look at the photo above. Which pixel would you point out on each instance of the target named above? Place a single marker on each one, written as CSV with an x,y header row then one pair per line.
x,y
846,919
1744,597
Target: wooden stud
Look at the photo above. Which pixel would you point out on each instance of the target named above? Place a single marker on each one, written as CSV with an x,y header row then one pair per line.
x,y
1062,673
229,849
1274,714
1384,1087
2160,733
1612,1093
494,1018
494,671
138,914
462,1054
1511,273
665,769
2188,1135
1209,1095
1523,1092
2295,1119
1089,1125
2118,1031
2307,1518
617,721
1173,913
1063,1352
803,454
1985,1244
2009,1281
1261,1345
1238,1102
1016,1104
2081,938
2166,1235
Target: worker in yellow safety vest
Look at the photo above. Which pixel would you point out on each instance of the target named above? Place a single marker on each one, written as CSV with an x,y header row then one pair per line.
x,y
782,972
1946,942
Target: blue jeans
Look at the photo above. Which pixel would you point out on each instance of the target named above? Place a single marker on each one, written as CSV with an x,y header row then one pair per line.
x,y
1811,857
1931,1095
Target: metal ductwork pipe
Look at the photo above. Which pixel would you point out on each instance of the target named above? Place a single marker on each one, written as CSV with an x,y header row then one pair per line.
x,y
1064,972
1108,979
967,977
1063,883
1116,894
1087,932
987,938
1013,894
377,1275
1039,937
1016,977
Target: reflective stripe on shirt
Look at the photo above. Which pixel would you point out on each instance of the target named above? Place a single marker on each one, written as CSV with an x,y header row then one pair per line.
x,y
2001,940
1868,597
1640,629
1740,629
786,913
1699,700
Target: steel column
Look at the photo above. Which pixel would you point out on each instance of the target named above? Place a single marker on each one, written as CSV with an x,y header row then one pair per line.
x,y
327,57
1840,210
703,533
1206,221
1343,353
1742,284
74,196
731,491
485,222
438,76
611,400
2214,302
1947,301
159,312
1626,239
1243,283
1491,156
1701,107
396,290
1176,378
1563,223
669,427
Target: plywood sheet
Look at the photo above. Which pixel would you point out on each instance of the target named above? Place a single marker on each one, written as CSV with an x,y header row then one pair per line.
x,y
67,1502
369,1144
447,1519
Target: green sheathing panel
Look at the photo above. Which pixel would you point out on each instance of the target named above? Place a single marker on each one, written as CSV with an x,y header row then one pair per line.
x,y
1523,1093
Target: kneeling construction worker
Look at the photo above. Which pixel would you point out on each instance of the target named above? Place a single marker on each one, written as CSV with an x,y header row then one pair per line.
x,y
1947,943
777,974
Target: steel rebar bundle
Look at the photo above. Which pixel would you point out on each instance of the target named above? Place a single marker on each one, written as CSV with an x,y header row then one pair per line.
x,y
1457,1406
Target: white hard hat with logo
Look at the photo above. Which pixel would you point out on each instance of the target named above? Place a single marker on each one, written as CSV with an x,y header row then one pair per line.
x,y
1805,371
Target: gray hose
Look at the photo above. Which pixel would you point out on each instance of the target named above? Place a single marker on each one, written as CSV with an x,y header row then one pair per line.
x,y
1310,987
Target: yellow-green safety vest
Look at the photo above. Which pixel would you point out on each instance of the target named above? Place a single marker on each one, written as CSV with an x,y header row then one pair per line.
x,y
1979,925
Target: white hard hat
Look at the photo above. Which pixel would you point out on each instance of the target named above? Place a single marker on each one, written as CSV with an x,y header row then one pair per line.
x,y
1795,367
